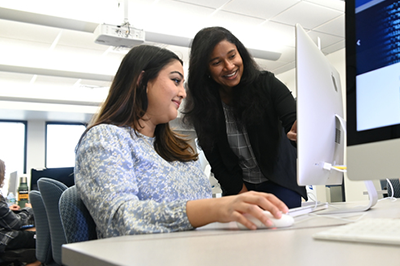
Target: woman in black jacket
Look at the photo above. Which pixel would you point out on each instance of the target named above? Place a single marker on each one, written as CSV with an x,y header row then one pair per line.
x,y
241,116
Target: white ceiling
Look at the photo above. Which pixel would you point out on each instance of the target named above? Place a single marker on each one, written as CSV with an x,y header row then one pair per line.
x,y
50,67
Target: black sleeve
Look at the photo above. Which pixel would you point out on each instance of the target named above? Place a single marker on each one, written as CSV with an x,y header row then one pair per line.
x,y
283,101
231,180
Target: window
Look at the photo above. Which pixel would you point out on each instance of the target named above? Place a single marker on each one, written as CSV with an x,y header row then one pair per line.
x,y
13,148
61,140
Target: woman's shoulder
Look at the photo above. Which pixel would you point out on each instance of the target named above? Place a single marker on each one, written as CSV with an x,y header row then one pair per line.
x,y
269,82
110,129
109,132
266,76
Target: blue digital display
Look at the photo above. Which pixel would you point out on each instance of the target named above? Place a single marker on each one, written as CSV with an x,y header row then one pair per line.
x,y
378,36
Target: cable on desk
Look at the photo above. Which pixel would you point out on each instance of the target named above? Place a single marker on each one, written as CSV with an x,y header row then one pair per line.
x,y
391,197
340,218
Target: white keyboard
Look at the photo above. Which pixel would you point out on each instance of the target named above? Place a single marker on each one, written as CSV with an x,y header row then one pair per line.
x,y
371,230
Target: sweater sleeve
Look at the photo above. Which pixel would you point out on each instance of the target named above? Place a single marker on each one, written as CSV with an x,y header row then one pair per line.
x,y
108,185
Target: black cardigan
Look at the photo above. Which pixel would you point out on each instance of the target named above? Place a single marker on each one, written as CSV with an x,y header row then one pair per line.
x,y
275,154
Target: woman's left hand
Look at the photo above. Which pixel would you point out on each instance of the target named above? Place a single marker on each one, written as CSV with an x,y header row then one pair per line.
x,y
292,134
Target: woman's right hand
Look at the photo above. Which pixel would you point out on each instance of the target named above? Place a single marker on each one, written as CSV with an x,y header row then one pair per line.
x,y
231,209
253,203
14,207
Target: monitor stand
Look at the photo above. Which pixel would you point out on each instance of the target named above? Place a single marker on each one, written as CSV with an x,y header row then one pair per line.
x,y
373,199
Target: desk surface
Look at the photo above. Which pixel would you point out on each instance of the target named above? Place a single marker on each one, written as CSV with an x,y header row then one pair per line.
x,y
224,244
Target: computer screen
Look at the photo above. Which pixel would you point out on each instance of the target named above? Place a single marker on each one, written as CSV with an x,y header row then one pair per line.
x,y
63,174
373,89
13,183
320,116
321,127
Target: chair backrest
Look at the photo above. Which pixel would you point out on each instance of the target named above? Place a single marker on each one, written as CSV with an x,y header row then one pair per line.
x,y
51,191
78,224
396,188
43,241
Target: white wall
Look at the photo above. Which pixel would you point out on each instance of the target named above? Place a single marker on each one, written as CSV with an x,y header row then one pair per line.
x,y
35,146
354,190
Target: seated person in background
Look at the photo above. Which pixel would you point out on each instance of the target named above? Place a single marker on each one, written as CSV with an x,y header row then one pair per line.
x,y
136,175
12,218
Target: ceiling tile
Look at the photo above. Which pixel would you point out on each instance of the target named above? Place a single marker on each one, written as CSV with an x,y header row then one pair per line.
x,y
334,47
333,27
277,33
259,8
325,39
243,27
186,20
334,4
309,15
207,3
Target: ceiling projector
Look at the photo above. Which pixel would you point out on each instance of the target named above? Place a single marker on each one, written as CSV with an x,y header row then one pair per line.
x,y
118,36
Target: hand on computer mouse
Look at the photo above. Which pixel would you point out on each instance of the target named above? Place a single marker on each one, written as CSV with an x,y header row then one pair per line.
x,y
231,209
253,203
285,221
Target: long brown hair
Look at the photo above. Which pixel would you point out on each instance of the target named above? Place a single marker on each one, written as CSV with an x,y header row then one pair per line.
x,y
127,100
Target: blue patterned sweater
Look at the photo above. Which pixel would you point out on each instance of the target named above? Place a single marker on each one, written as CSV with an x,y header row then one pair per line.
x,y
129,189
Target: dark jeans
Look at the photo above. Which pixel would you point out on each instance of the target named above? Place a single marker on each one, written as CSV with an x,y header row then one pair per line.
x,y
25,239
289,197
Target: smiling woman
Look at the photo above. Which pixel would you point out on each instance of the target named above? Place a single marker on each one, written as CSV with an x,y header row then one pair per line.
x,y
241,116
136,175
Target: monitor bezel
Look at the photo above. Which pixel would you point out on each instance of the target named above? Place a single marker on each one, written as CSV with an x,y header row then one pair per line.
x,y
355,137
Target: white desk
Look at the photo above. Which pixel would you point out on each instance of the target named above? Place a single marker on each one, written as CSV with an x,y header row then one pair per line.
x,y
223,244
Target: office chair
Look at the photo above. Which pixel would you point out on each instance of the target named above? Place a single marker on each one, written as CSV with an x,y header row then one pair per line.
x,y
51,191
78,224
396,188
43,240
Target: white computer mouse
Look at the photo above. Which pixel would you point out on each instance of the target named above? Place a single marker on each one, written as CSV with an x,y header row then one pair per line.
x,y
285,221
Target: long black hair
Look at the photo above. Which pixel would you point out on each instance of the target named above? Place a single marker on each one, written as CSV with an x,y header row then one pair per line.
x,y
201,104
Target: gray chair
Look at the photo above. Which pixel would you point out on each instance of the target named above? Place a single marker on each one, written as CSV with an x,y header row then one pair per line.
x,y
51,191
396,188
76,220
43,240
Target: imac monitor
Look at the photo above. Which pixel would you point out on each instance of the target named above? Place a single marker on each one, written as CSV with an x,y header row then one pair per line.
x,y
320,124
13,183
373,89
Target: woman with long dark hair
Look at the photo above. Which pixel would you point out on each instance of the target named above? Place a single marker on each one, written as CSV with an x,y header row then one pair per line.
x,y
241,116
136,175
